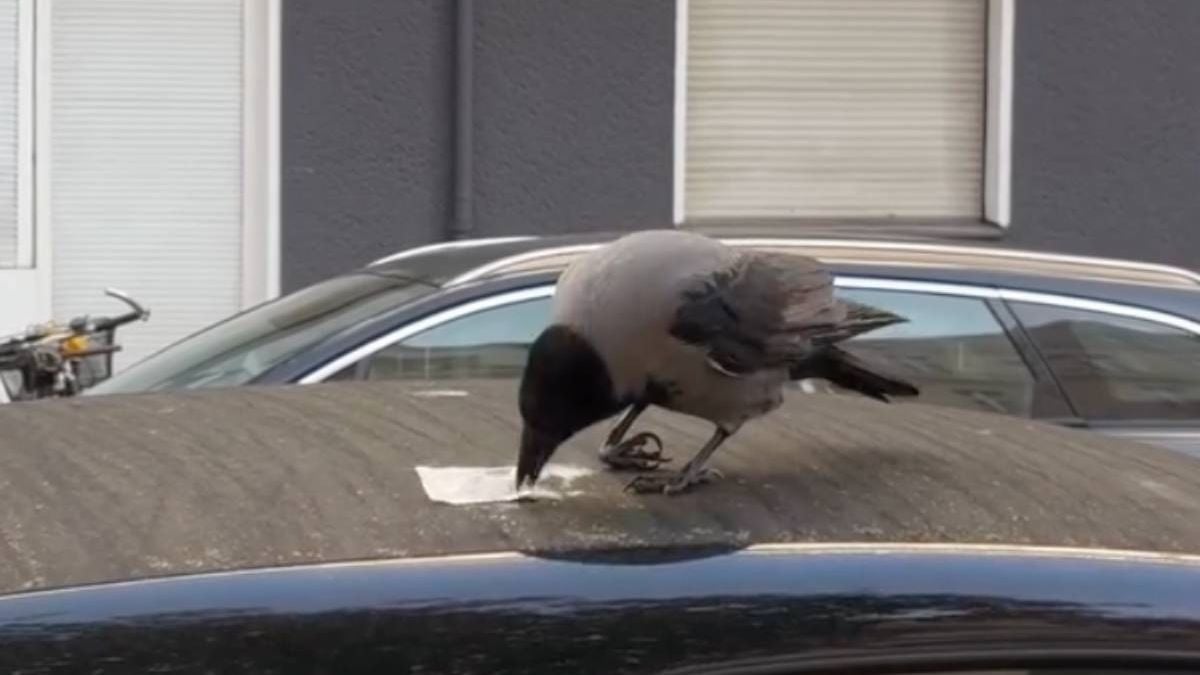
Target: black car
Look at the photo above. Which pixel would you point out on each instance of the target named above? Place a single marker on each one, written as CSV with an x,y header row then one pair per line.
x,y
1104,344
297,530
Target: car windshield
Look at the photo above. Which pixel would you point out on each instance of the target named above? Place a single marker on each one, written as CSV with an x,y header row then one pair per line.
x,y
241,348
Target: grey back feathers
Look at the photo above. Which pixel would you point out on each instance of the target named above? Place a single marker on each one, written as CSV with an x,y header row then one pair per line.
x,y
669,305
623,297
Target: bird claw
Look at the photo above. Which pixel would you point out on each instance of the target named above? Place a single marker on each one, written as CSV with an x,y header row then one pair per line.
x,y
631,454
672,484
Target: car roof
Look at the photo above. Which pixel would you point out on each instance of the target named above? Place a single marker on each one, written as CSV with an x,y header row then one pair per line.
x,y
199,481
461,262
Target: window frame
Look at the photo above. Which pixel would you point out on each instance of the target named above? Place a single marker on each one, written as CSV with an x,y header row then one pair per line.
x,y
26,110
28,276
261,185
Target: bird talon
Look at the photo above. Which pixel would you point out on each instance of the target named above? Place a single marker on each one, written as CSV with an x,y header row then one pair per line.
x,y
646,484
674,488
672,484
640,439
631,453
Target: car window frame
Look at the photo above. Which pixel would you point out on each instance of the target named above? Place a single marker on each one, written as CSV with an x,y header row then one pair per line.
x,y
1112,309
985,294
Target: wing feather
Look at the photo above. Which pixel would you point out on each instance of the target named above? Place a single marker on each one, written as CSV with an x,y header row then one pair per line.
x,y
768,310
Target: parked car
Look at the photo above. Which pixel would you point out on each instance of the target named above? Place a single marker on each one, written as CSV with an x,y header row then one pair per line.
x,y
1105,344
295,530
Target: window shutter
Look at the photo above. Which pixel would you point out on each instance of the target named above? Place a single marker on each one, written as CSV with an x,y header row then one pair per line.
x,y
146,175
835,108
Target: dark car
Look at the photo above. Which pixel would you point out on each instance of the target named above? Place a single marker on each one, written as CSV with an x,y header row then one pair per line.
x,y
296,530
1110,345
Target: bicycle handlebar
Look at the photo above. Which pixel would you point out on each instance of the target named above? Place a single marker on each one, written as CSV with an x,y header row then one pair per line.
x,y
109,323
138,313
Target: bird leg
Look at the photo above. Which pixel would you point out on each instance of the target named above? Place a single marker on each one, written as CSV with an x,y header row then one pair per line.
x,y
621,453
694,473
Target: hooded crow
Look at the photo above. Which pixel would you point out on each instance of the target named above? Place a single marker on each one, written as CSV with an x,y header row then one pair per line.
x,y
682,321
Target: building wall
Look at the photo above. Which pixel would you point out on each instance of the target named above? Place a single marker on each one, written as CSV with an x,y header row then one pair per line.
x,y
573,125
574,115
367,93
1106,153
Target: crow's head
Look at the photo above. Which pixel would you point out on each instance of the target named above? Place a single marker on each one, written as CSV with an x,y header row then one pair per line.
x,y
565,388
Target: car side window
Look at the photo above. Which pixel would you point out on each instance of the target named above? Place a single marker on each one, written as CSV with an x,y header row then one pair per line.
x,y
489,344
952,347
1117,368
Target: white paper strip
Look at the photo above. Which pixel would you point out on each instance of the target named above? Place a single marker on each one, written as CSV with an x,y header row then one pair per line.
x,y
460,485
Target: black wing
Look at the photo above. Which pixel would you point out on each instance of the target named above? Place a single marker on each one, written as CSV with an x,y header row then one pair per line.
x,y
759,313
767,311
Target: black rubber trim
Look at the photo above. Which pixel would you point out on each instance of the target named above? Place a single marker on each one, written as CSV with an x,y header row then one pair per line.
x,y
1033,357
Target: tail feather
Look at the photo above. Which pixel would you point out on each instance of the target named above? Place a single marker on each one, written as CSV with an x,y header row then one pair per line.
x,y
859,319
849,372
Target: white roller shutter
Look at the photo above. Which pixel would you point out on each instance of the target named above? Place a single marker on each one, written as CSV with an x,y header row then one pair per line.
x,y
835,108
146,171
9,106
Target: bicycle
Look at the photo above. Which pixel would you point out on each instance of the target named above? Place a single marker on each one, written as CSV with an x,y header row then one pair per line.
x,y
52,360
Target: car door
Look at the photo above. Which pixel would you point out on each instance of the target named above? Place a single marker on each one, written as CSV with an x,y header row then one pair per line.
x,y
1126,371
955,346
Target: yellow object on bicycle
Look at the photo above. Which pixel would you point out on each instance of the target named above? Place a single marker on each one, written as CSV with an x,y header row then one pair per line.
x,y
76,344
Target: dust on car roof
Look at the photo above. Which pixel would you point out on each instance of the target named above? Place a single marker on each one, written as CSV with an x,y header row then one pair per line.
x,y
130,486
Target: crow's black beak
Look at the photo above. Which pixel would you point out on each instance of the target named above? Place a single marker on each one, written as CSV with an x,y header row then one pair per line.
x,y
536,448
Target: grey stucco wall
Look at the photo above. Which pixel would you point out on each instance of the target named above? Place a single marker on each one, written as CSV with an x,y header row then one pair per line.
x,y
573,122
1106,155
574,115
366,164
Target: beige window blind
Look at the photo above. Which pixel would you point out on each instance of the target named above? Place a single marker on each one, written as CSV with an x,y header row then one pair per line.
x,y
835,108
